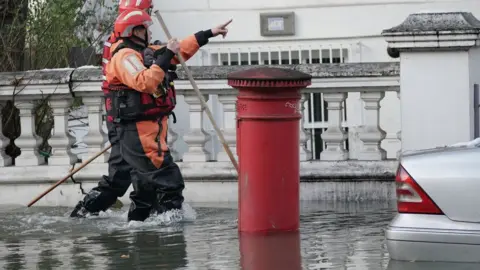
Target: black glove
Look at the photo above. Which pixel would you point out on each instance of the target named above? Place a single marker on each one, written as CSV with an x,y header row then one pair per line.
x,y
148,57
164,56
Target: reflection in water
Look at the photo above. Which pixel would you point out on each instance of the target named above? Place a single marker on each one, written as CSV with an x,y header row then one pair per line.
x,y
332,236
15,259
159,250
398,265
48,255
81,257
345,236
278,251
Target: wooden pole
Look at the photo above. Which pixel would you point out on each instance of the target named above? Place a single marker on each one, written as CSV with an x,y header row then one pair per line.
x,y
199,94
68,176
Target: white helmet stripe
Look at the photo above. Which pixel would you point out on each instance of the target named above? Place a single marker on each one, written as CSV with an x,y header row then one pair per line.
x,y
132,13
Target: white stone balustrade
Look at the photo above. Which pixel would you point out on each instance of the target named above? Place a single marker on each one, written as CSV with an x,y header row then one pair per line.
x,y
196,137
5,160
229,130
172,137
305,153
188,144
95,137
335,135
28,141
399,133
86,83
61,140
371,134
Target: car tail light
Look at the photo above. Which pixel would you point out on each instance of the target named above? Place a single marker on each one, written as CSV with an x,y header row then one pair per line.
x,y
411,198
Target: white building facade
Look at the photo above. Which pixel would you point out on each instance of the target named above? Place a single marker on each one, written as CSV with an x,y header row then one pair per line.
x,y
325,31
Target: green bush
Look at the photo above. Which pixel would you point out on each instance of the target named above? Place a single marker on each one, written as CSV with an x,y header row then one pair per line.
x,y
40,34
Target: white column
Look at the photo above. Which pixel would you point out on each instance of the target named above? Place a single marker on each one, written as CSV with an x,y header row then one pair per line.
x,y
197,136
335,135
451,56
61,140
172,137
399,134
371,134
104,125
305,154
229,126
95,137
28,142
5,160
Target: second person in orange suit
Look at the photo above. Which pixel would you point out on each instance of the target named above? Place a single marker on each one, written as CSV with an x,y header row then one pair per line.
x,y
115,185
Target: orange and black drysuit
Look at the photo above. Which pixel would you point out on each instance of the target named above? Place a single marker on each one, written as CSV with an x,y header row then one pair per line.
x,y
116,184
142,98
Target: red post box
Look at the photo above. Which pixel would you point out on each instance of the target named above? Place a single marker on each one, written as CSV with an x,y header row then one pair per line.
x,y
268,115
276,251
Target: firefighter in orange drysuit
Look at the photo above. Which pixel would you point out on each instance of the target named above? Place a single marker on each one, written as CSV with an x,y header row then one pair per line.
x,y
143,100
104,195
113,186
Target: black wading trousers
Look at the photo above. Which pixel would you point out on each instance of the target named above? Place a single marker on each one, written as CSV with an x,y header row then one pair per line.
x,y
140,154
111,187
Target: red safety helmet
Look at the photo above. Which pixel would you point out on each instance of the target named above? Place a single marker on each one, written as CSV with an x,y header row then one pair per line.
x,y
124,5
130,19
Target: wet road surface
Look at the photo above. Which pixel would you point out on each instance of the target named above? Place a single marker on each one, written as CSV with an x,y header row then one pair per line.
x,y
203,236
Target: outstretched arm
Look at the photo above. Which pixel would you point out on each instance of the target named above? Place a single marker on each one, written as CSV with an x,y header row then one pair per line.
x,y
191,44
188,46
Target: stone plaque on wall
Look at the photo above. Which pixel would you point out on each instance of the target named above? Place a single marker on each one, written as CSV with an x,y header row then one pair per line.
x,y
277,24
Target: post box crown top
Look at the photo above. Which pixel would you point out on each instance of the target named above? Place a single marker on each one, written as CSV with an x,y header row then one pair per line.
x,y
269,77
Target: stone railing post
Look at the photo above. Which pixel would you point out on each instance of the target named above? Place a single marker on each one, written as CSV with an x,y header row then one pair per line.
x,y
28,142
61,140
371,134
228,101
5,160
172,137
86,84
335,136
440,59
95,137
305,154
196,137
399,133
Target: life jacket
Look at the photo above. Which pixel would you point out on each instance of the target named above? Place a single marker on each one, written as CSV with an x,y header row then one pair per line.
x,y
130,105
105,59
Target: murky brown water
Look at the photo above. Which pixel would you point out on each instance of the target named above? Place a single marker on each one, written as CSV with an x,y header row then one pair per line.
x,y
333,236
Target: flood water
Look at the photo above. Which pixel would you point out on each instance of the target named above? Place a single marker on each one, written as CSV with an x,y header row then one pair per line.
x,y
203,236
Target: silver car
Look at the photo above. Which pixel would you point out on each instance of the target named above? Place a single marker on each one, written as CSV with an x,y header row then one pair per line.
x,y
438,200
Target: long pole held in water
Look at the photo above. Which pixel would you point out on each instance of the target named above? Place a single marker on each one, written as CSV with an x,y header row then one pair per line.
x,y
68,176
199,94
